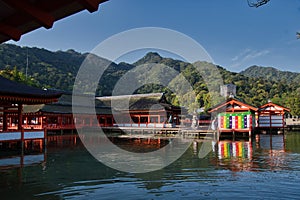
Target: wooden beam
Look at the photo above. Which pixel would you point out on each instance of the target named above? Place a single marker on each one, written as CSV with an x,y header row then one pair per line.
x,y
20,115
40,16
4,128
10,31
8,111
91,5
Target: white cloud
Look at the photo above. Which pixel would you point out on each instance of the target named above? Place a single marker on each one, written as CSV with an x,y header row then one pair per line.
x,y
237,57
246,56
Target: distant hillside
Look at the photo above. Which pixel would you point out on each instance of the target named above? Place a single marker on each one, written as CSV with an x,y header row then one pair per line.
x,y
251,89
49,69
272,74
59,69
53,69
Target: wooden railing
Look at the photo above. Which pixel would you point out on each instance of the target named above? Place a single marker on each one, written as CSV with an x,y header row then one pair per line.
x,y
22,135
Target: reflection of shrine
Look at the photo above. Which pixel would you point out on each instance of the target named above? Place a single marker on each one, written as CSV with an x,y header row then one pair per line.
x,y
229,149
22,160
266,152
33,154
274,147
139,145
236,156
270,142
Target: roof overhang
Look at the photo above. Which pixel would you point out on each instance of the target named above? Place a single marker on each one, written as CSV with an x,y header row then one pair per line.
x,y
18,17
14,92
272,107
233,105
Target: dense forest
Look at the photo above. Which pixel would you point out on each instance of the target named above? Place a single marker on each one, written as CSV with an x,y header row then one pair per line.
x,y
272,74
47,69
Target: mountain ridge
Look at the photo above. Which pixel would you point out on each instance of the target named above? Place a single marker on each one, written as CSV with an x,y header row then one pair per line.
x,y
59,69
271,73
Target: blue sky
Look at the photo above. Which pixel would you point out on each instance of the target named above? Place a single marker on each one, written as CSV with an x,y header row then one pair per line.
x,y
235,35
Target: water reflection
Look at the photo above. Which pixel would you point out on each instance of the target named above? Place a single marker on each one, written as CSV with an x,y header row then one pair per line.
x,y
267,152
236,156
229,149
267,165
272,152
12,157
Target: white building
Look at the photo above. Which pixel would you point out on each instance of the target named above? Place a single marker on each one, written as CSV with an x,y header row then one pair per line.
x,y
227,90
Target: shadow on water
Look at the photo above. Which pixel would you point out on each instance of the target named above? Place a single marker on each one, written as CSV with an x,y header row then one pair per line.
x,y
139,145
232,169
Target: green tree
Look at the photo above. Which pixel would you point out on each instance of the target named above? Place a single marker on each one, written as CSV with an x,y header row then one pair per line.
x,y
18,76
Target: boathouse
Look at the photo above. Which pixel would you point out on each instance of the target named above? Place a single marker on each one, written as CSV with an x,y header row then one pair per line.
x,y
271,116
13,97
143,110
234,116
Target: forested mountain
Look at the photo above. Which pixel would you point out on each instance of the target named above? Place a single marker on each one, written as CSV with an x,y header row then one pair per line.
x,y
272,74
49,69
58,70
251,89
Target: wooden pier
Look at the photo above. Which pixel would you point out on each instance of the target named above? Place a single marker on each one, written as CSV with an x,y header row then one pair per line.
x,y
160,132
24,137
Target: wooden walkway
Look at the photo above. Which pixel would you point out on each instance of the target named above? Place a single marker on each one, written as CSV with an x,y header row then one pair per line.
x,y
19,136
164,132
186,133
24,138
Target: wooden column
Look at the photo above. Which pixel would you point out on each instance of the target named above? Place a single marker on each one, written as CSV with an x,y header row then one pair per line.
x,y
20,128
60,120
258,117
283,121
158,119
4,119
270,128
105,121
20,116
41,121
45,137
